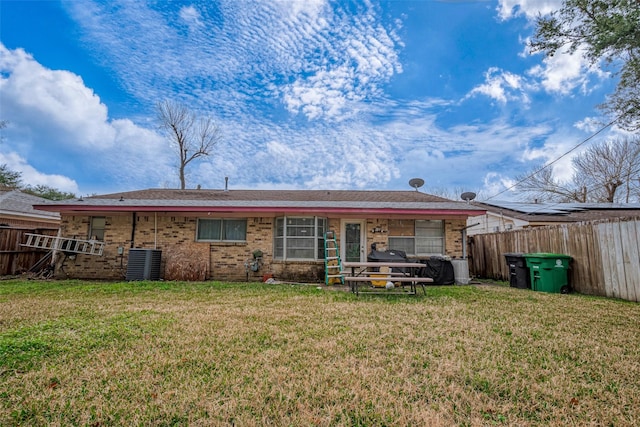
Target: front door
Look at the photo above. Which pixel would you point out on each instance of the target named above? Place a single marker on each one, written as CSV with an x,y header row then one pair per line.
x,y
353,241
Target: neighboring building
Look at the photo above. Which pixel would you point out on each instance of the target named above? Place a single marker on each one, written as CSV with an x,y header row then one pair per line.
x,y
219,230
506,216
16,210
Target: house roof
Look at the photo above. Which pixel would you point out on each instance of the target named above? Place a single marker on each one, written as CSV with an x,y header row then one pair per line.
x,y
18,204
561,212
290,201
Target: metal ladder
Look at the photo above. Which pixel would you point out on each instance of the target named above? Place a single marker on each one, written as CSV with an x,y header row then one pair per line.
x,y
64,244
332,263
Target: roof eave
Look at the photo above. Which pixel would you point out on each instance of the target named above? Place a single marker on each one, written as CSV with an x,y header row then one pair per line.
x,y
256,209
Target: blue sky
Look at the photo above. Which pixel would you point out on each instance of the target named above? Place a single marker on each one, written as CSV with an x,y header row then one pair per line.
x,y
308,94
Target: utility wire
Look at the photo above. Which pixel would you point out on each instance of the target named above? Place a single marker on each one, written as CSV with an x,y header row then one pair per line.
x,y
594,187
558,159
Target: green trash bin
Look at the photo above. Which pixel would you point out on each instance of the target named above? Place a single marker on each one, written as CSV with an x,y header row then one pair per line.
x,y
549,272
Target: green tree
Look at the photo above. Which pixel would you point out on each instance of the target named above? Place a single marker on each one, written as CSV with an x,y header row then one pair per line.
x,y
47,192
603,30
13,179
9,178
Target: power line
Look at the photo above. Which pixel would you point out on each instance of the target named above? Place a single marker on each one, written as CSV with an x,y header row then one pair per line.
x,y
558,159
594,187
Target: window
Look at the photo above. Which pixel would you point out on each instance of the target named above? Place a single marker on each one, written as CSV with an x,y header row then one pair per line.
x,y
234,230
299,238
423,237
96,227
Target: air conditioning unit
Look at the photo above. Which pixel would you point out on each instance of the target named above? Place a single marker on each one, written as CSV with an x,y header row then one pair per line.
x,y
144,264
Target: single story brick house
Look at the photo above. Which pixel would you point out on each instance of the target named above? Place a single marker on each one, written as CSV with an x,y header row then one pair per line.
x,y
216,233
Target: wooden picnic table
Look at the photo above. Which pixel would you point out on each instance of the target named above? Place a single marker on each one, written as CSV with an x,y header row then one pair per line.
x,y
407,272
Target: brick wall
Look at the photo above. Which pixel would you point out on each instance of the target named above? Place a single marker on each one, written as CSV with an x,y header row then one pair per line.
x,y
185,259
453,237
108,266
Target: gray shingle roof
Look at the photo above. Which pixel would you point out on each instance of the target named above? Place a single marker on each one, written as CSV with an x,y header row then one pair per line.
x,y
264,199
277,195
15,202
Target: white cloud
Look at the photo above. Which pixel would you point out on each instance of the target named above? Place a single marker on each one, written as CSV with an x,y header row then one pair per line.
x,y
360,56
55,100
589,124
191,16
495,183
31,176
312,8
502,86
563,72
508,9
554,149
52,111
317,58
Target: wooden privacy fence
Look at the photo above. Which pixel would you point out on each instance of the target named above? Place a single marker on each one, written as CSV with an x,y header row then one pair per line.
x,y
14,258
606,254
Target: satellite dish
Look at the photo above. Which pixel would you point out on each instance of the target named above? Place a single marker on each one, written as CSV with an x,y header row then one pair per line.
x,y
468,196
416,183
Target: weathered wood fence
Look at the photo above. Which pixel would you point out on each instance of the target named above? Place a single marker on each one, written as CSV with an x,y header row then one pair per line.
x,y
606,254
14,258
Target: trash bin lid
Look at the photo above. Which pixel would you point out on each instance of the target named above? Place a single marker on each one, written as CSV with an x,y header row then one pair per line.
x,y
547,260
545,255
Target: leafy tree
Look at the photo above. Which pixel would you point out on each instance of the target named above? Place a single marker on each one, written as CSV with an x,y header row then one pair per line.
x,y
193,136
607,30
605,172
47,192
13,179
10,178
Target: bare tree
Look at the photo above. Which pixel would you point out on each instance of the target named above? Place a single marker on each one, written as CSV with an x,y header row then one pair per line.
x,y
193,136
542,186
605,172
610,169
453,193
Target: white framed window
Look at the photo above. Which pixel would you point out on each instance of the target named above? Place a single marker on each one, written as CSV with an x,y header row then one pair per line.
x,y
299,238
424,237
222,230
96,227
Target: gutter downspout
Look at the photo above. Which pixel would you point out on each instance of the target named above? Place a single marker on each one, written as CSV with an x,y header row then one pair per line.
x,y
155,230
133,228
464,239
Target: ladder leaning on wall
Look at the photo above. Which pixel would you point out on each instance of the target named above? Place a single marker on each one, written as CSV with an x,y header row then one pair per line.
x,y
332,264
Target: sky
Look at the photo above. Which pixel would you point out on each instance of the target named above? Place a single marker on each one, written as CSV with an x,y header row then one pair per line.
x,y
308,94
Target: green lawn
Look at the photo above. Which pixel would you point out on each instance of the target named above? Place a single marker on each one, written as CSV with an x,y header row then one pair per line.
x,y
163,353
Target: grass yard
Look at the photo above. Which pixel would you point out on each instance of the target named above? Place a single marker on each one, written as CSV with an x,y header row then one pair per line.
x,y
164,353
